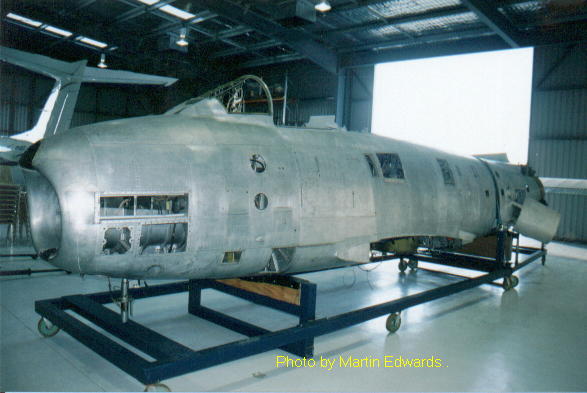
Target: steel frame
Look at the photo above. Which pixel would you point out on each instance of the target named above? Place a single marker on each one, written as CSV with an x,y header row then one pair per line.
x,y
172,358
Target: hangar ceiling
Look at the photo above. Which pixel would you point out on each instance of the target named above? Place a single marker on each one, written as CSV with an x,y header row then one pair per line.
x,y
141,35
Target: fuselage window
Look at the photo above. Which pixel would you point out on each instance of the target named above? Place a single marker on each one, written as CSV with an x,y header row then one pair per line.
x,y
372,166
447,174
143,205
391,166
232,257
161,205
117,206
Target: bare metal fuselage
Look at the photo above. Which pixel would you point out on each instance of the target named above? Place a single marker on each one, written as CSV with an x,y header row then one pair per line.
x,y
322,205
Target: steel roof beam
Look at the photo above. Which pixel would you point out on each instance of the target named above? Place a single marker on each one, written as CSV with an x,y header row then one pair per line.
x,y
250,48
299,41
446,48
138,10
496,21
271,60
176,23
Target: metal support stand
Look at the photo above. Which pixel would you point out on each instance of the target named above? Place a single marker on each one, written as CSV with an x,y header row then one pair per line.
x,y
172,358
28,272
124,301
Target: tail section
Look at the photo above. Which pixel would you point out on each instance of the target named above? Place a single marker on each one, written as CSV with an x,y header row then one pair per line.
x,y
58,109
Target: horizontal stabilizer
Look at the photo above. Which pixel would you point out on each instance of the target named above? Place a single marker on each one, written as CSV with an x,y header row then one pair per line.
x,y
564,186
98,75
47,66
502,157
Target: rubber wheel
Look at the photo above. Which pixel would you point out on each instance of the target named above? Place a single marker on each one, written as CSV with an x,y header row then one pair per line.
x,y
46,328
393,322
510,282
402,265
157,387
413,264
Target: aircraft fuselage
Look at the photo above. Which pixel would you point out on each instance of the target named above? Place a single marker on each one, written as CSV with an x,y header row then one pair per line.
x,y
178,196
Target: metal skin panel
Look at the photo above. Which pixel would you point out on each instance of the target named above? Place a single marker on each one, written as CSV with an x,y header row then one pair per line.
x,y
322,199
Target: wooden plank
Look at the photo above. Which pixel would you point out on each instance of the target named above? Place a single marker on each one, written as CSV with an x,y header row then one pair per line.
x,y
486,247
277,292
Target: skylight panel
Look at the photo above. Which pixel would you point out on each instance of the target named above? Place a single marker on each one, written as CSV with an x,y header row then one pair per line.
x,y
149,2
58,31
92,42
24,20
181,14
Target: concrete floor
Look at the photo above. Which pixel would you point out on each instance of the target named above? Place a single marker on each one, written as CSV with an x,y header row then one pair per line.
x,y
532,338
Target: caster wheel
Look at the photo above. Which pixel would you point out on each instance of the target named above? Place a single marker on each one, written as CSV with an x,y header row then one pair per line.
x,y
157,387
403,265
393,322
510,282
515,281
413,264
46,328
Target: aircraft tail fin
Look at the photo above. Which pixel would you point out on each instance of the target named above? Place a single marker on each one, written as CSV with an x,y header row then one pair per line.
x,y
58,109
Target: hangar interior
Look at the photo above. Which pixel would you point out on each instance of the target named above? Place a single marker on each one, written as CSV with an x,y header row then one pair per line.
x,y
316,63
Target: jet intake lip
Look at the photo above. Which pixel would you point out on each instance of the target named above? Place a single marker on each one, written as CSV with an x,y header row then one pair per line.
x,y
26,159
44,214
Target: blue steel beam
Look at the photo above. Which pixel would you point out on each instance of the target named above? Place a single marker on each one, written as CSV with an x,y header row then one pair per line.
x,y
496,21
299,41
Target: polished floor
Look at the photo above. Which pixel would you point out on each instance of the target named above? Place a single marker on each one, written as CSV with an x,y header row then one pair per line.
x,y
532,338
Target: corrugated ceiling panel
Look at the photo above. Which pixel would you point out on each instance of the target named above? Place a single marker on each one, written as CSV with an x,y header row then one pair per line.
x,y
540,12
460,21
334,20
406,7
387,32
358,15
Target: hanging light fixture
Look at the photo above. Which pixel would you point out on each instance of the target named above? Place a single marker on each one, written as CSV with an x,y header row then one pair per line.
x,y
182,37
102,63
323,6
